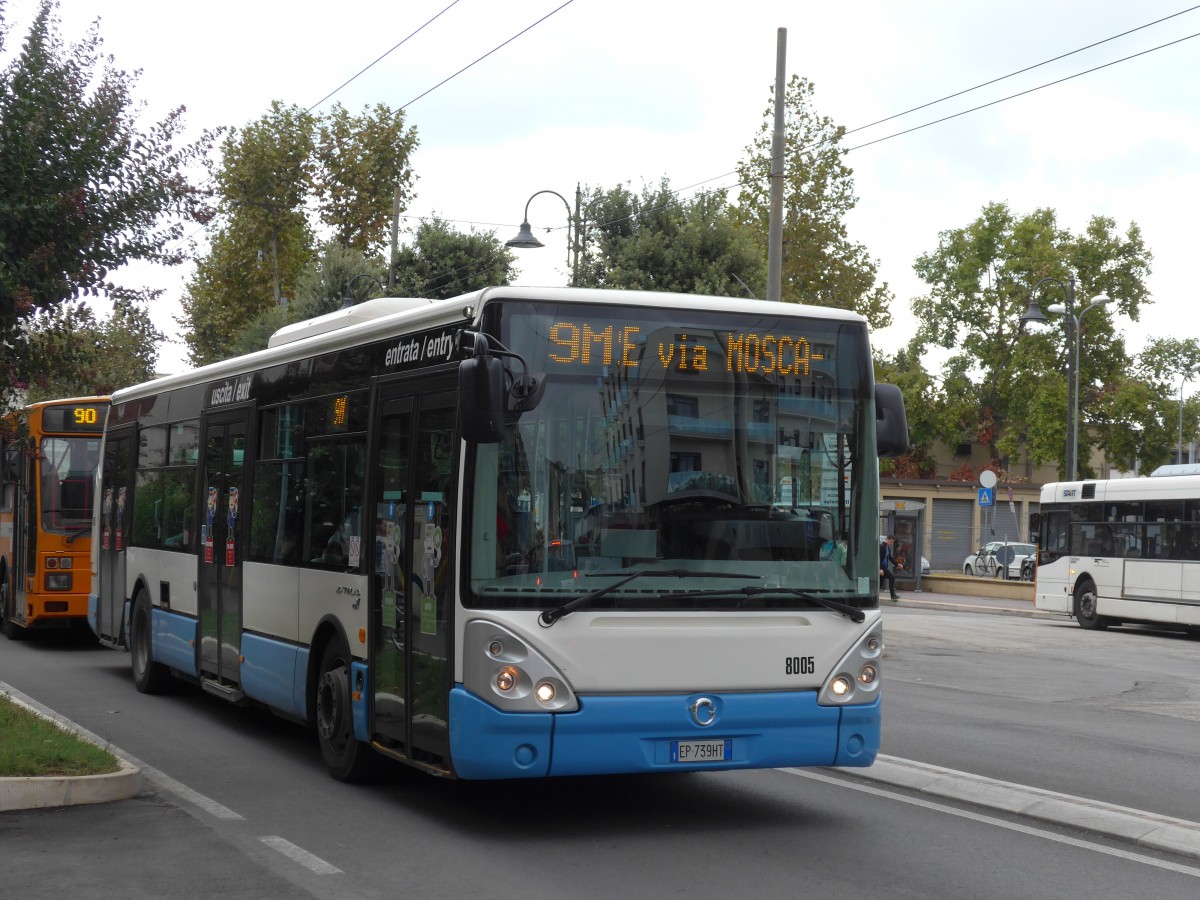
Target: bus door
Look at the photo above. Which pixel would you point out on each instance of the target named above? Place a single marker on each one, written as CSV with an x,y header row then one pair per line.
x,y
221,550
24,546
411,591
116,517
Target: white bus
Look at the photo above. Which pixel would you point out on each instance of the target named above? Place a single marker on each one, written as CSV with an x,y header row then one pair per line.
x,y
523,532
1125,550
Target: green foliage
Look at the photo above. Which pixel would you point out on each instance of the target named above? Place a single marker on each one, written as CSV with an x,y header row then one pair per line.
x,y
84,187
657,241
74,355
981,279
269,172
821,265
442,262
320,289
264,179
925,405
363,162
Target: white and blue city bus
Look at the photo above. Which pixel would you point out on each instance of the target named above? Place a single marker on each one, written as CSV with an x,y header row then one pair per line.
x,y
524,532
1121,550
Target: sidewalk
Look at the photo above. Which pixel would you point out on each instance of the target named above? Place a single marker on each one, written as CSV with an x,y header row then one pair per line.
x,y
967,603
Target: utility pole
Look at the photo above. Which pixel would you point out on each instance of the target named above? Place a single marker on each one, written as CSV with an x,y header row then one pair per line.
x,y
775,229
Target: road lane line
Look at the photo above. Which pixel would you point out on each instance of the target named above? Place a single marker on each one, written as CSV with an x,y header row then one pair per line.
x,y
999,823
300,855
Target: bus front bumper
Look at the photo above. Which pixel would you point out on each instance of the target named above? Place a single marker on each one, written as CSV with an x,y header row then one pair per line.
x,y
654,733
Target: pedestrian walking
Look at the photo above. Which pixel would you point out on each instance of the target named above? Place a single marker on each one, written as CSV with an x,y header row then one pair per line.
x,y
887,566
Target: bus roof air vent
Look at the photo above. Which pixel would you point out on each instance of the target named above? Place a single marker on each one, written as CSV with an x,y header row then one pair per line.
x,y
344,318
1089,491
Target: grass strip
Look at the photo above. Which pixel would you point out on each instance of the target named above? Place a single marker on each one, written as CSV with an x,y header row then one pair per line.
x,y
34,746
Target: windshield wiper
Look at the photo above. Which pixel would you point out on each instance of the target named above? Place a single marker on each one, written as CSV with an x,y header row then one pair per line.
x,y
550,616
853,613
80,533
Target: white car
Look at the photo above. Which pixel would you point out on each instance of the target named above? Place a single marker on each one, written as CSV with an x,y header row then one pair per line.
x,y
995,556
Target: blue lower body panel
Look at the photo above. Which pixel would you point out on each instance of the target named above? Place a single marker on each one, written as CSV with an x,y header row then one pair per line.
x,y
269,673
174,639
625,734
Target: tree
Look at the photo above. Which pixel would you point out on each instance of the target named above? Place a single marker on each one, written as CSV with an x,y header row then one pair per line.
x,y
821,265
661,242
442,262
265,176
925,405
363,169
1151,400
85,187
74,355
270,171
982,277
331,273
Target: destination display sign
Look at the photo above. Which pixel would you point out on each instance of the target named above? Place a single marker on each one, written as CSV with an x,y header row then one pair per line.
x,y
778,351
87,417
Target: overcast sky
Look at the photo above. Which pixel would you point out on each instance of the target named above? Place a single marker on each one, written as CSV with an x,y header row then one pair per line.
x,y
609,91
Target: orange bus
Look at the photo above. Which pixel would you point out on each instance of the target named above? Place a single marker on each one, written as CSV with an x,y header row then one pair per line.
x,y
49,452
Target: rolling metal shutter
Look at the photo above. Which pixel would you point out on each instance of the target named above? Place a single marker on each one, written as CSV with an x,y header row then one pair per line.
x,y
951,534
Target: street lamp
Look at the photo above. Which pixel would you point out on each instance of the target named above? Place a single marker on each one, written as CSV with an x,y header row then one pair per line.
x,y
347,300
1034,314
526,240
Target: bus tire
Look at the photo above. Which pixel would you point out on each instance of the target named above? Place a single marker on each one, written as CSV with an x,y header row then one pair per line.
x,y
1085,607
12,630
347,758
149,677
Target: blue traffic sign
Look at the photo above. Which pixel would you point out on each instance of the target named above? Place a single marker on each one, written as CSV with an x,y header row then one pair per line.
x,y
987,496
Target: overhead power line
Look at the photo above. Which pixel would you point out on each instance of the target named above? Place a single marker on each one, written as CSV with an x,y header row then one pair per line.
x,y
380,58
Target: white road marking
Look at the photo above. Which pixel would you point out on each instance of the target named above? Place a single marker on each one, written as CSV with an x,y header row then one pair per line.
x,y
1000,823
181,790
300,855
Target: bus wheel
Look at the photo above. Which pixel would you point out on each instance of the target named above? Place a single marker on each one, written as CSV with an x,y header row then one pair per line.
x,y
12,630
1085,608
148,676
347,758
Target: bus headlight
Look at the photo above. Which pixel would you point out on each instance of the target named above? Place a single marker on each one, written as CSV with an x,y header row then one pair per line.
x,y
840,686
506,680
856,678
58,581
504,670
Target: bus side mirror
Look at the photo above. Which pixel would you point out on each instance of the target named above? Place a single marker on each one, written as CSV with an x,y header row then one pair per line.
x,y
891,422
1035,527
481,399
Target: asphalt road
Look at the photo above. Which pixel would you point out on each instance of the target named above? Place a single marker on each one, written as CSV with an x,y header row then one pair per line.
x,y
238,802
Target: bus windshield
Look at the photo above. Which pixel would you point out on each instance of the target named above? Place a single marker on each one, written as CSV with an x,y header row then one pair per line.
x,y
710,446
68,469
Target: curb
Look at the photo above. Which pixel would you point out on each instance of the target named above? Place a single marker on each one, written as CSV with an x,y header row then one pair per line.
x,y
974,608
1143,828
73,790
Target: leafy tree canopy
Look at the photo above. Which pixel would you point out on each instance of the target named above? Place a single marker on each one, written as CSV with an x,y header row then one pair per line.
x,y
353,169
76,355
443,262
657,241
84,186
1009,388
821,265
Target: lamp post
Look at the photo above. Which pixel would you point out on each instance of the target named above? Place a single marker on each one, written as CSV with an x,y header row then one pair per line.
x,y
525,238
1186,376
1034,314
347,300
